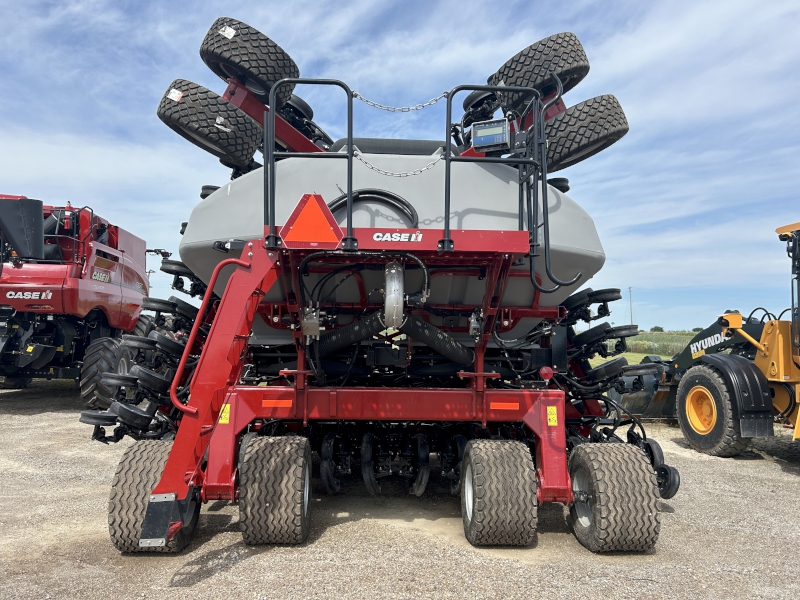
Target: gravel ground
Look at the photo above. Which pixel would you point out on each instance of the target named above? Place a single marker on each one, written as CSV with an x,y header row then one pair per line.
x,y
728,533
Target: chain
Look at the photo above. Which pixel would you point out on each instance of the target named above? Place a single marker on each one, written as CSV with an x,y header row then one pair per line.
x,y
430,102
430,165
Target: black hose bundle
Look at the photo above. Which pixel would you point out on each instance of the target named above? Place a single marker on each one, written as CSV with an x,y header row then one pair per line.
x,y
444,344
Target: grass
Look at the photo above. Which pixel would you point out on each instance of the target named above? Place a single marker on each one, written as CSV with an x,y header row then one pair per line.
x,y
634,358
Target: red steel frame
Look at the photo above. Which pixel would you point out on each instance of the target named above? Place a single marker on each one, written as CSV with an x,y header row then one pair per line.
x,y
219,409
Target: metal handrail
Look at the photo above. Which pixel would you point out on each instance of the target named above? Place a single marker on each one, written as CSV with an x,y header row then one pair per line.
x,y
349,242
446,244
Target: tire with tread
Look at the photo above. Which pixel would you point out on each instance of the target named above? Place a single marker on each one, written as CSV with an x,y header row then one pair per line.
x,y
138,473
275,490
144,325
621,509
584,130
561,53
725,439
210,122
104,355
498,493
235,49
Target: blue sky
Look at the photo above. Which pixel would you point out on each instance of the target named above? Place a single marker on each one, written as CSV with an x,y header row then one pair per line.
x,y
686,204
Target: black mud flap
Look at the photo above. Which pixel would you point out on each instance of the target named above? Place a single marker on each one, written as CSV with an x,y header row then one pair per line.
x,y
750,390
164,518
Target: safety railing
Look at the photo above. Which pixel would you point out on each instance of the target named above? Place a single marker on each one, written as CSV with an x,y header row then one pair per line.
x,y
528,155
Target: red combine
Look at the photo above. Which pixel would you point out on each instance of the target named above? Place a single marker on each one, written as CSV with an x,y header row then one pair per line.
x,y
70,284
398,307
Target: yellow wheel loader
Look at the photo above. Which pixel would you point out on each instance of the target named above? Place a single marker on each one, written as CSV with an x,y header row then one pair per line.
x,y
735,379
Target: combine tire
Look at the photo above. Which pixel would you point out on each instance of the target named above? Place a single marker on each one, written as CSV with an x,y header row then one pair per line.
x,y
105,355
498,493
234,49
15,383
275,490
144,325
584,130
561,53
137,474
615,504
210,122
705,413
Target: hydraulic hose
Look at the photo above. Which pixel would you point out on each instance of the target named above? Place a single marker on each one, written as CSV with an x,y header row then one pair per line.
x,y
444,344
360,329
415,328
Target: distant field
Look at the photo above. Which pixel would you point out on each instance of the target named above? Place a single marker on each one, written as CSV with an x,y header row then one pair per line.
x,y
634,358
665,345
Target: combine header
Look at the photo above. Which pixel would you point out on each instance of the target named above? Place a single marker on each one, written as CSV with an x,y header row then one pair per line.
x,y
392,325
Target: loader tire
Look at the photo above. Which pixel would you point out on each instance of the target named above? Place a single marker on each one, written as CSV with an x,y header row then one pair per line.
x,y
584,130
616,498
275,490
498,493
209,122
104,355
705,413
234,49
561,53
144,325
138,473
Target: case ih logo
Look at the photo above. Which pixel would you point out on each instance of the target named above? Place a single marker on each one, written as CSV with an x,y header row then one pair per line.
x,y
45,295
397,237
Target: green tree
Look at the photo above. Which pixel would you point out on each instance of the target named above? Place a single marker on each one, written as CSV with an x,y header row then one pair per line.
x,y
657,328
697,329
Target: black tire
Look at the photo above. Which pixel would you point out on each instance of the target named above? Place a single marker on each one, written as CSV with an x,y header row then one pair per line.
x,y
561,53
234,49
300,107
144,325
158,305
275,490
151,380
718,434
167,344
209,122
105,355
584,130
15,383
138,473
498,493
176,267
616,498
669,481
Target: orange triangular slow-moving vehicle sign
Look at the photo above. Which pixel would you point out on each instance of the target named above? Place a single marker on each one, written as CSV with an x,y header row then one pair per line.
x,y
311,225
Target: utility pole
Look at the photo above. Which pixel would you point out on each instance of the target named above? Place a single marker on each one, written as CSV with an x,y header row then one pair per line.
x,y
630,301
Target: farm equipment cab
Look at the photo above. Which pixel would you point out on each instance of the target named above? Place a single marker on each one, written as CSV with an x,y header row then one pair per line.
x,y
70,282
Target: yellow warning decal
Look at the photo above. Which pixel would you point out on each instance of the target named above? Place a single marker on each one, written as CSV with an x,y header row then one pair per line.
x,y
225,414
698,354
29,349
552,416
